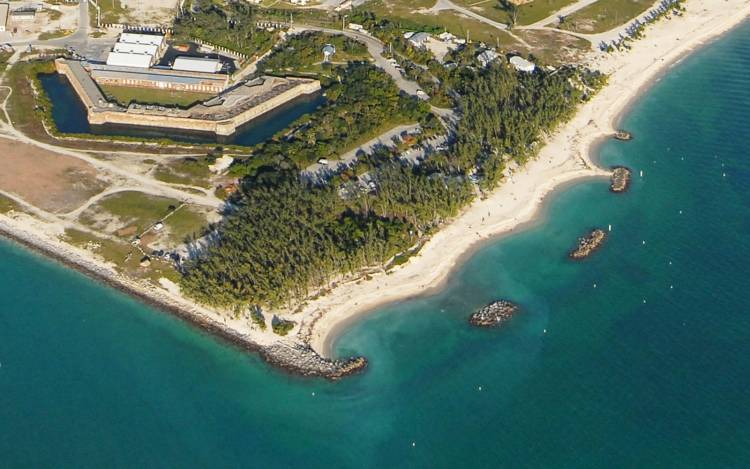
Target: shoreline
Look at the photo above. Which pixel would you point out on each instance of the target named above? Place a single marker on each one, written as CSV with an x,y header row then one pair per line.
x,y
567,157
631,74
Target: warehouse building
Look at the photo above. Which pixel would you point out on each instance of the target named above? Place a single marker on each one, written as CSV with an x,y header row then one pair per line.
x,y
136,50
197,64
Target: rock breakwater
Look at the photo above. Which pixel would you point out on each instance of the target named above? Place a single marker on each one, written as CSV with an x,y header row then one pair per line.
x,y
303,360
620,180
493,314
588,244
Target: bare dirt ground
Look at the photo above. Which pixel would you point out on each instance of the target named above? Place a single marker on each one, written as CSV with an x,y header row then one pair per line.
x,y
150,12
45,21
48,180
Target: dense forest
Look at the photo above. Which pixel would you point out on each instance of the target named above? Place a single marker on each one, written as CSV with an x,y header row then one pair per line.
x,y
361,103
301,51
232,26
286,239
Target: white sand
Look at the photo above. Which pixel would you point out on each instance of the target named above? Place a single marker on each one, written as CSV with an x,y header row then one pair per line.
x,y
565,158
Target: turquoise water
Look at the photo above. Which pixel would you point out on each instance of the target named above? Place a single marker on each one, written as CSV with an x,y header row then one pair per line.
x,y
630,373
69,114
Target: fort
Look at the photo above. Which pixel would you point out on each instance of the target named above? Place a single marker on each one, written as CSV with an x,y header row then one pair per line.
x,y
222,115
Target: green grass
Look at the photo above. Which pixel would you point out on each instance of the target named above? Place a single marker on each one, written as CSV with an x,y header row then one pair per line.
x,y
452,22
133,209
54,34
527,14
112,11
189,171
126,95
604,15
186,222
6,204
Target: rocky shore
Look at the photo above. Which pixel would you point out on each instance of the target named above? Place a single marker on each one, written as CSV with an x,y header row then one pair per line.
x,y
493,314
623,135
588,244
620,180
290,356
302,360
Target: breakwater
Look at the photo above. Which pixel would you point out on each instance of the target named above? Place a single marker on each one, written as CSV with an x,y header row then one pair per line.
x,y
588,244
493,314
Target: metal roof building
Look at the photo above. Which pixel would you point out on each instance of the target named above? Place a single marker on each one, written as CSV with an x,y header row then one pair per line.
x,y
127,59
196,64
136,48
146,39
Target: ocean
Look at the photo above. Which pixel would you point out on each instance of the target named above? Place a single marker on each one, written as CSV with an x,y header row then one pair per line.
x,y
639,356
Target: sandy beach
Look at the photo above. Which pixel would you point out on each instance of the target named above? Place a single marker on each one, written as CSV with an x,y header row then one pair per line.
x,y
565,158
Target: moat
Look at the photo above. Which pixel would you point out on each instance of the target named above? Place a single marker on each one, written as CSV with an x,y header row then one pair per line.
x,y
69,115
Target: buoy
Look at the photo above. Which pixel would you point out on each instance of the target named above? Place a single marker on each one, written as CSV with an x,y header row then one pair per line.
x,y
313,393
671,287
413,444
670,262
644,242
644,301
545,331
724,174
680,212
480,388
641,173
594,285
609,227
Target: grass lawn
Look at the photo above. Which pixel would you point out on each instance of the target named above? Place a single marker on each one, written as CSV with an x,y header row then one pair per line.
x,y
604,15
190,171
136,212
112,11
54,34
126,95
123,255
451,21
527,14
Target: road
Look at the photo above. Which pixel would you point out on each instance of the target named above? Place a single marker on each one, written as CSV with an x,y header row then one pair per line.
x,y
375,48
448,5
565,11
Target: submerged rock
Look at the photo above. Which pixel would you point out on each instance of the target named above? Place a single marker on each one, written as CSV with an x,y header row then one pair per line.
x,y
620,180
588,244
493,314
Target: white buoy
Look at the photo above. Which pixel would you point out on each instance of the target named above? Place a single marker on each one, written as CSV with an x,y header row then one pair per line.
x,y
480,388
644,301
644,242
413,444
680,212
594,285
609,227
670,262
545,331
724,174
671,287
641,173
312,393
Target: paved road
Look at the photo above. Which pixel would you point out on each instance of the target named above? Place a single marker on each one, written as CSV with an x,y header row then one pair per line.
x,y
375,48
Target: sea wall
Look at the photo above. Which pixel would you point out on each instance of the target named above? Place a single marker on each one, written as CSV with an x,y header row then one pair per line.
x,y
101,114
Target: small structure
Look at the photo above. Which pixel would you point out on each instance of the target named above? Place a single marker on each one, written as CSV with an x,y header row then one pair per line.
x,y
197,64
446,37
357,27
148,39
328,51
4,9
23,14
419,40
487,57
158,226
521,64
127,59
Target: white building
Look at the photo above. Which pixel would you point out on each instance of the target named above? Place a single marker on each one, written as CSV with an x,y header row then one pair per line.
x,y
137,38
487,57
446,37
127,59
136,48
356,27
522,65
419,40
4,8
197,64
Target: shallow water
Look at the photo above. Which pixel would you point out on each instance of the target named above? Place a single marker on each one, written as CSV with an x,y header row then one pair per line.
x,y
649,368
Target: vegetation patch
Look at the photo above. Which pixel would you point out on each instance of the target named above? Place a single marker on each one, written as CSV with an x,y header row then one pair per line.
x,y
189,171
125,95
304,53
604,15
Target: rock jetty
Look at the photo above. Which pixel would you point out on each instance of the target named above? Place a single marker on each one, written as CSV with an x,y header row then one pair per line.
x,y
623,135
302,360
620,180
493,314
588,244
